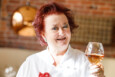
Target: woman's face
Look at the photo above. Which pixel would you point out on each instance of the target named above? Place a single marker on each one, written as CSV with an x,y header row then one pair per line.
x,y
57,31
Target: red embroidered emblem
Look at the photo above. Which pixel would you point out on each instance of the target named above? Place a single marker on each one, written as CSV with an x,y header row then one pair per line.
x,y
46,74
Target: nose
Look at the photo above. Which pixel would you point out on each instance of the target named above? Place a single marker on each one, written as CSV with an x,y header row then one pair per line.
x,y
61,32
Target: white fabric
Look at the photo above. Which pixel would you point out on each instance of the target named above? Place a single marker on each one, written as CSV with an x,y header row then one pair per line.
x,y
73,64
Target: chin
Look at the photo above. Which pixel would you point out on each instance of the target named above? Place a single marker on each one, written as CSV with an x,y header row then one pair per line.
x,y
63,45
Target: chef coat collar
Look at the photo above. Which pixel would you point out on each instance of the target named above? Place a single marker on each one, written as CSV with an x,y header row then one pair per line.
x,y
50,59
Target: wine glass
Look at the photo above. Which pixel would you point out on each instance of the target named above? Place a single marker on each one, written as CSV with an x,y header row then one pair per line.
x,y
94,52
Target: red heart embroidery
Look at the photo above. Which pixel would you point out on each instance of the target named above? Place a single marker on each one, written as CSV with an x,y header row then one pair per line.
x,y
46,74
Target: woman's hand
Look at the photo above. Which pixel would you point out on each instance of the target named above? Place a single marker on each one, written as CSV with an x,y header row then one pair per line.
x,y
97,70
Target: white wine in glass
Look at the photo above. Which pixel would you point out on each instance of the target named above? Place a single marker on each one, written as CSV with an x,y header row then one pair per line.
x,y
94,52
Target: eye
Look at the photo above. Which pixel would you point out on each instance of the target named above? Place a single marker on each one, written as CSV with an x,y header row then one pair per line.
x,y
65,26
54,28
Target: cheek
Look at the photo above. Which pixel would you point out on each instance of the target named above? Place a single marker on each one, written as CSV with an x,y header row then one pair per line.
x,y
69,36
68,33
52,35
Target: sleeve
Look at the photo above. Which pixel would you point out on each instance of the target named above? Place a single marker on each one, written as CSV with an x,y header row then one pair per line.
x,y
86,67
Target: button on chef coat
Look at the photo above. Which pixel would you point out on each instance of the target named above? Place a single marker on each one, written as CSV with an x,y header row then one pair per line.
x,y
73,64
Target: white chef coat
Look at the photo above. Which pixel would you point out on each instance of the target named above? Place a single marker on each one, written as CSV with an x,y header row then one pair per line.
x,y
73,64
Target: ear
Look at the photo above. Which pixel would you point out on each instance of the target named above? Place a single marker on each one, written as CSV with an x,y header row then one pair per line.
x,y
43,36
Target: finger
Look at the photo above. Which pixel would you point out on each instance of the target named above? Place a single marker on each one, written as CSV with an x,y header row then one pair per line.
x,y
100,65
93,66
99,73
101,68
96,75
94,70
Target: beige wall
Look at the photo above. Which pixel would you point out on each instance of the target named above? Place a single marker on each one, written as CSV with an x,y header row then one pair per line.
x,y
13,57
109,67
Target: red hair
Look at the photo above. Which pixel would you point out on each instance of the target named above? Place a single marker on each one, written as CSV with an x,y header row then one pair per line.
x,y
48,9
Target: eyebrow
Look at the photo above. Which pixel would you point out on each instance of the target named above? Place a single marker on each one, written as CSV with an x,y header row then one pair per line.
x,y
65,23
55,25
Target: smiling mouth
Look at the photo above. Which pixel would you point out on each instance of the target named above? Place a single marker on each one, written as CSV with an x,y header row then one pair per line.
x,y
61,39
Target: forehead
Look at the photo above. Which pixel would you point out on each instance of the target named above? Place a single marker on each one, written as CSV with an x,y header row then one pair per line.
x,y
55,19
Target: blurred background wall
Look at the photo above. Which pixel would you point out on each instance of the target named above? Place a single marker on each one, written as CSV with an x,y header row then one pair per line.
x,y
100,8
96,20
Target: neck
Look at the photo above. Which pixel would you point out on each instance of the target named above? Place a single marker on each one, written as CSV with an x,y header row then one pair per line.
x,y
57,55
57,52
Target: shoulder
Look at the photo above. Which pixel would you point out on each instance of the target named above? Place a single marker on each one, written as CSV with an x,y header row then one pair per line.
x,y
34,60
77,52
78,55
30,64
36,56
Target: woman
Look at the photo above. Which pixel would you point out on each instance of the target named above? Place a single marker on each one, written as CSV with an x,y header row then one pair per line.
x,y
53,25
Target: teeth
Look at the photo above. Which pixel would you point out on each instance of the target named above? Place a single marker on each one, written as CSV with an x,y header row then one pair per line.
x,y
61,38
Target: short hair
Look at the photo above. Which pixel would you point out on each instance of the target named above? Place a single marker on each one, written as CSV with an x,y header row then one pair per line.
x,y
48,9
